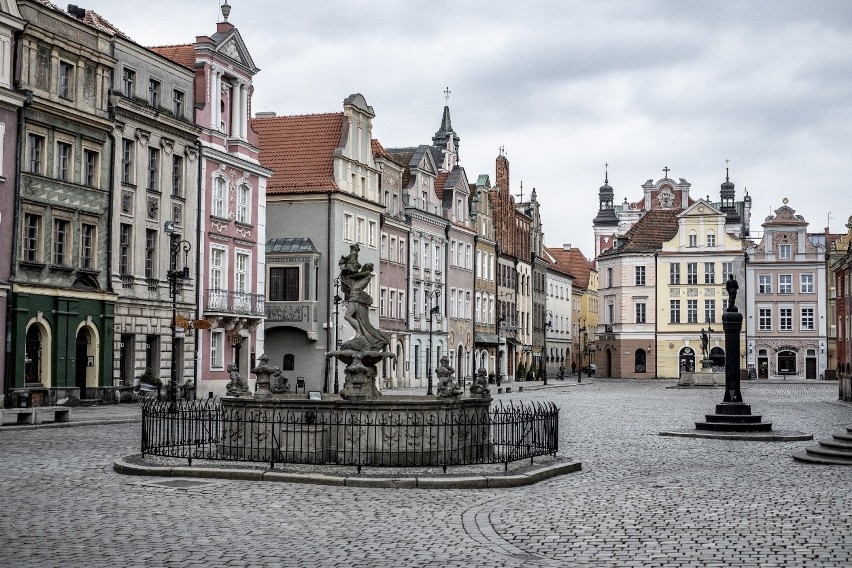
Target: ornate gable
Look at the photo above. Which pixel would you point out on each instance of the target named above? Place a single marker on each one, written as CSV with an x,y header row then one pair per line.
x,y
233,48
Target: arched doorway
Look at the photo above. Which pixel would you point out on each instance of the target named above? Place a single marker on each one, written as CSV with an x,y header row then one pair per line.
x,y
32,357
717,358
687,360
640,361
786,362
608,362
81,363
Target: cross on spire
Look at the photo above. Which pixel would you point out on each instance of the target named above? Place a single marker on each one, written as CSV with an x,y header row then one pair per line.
x,y
727,171
666,170
447,92
606,172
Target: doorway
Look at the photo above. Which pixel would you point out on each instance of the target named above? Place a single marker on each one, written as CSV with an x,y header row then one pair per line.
x,y
762,364
687,360
84,338
811,365
608,362
32,357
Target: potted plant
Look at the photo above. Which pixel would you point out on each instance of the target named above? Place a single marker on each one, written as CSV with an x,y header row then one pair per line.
x,y
521,372
149,382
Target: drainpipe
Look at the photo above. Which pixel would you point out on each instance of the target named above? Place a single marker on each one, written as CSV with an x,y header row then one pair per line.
x,y
198,255
657,315
328,360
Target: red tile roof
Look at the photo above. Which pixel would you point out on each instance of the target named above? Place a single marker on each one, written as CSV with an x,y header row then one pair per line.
x,y
379,150
183,55
440,182
649,233
299,150
97,21
574,263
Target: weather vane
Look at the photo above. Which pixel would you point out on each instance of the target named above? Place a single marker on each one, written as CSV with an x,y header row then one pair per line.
x,y
447,92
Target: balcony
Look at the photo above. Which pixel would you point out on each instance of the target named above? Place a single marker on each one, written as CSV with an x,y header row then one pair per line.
x,y
229,302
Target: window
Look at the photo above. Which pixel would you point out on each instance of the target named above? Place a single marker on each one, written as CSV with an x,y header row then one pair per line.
x,y
360,230
785,283
32,237
35,148
383,302
63,161
640,275
693,239
453,259
218,209
150,253
154,93
727,271
392,305
674,273
807,283
243,199
674,311
764,319
153,169
217,349
66,79
177,176
177,103
400,302
127,152
710,311
90,168
711,239
640,312
60,242
785,319
393,254
383,246
348,227
87,246
692,311
640,359
709,272
217,264
609,282
784,251
371,234
415,247
128,83
692,273
764,284
124,242
241,272
807,319
284,284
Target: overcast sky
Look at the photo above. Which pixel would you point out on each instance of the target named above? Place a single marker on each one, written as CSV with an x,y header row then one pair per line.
x,y
566,87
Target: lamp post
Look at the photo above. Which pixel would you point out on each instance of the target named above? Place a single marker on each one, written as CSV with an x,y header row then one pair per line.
x,y
433,309
581,329
175,275
547,325
337,300
499,319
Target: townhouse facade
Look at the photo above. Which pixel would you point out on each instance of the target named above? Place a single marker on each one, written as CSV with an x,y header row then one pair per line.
x,y
841,274
61,334
485,276
787,299
558,317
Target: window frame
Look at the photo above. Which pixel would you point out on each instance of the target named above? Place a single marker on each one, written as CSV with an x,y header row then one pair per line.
x,y
64,160
243,213
128,82
65,80
153,168
785,283
764,283
218,198
273,294
155,91
125,248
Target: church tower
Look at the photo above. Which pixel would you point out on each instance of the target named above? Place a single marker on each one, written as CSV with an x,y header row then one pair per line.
x,y
606,222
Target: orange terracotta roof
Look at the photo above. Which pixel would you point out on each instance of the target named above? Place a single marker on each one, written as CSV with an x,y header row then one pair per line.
x,y
299,150
379,150
183,55
649,233
574,263
440,181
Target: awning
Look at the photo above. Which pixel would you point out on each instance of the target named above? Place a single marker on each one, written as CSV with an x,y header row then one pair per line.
x,y
513,341
484,338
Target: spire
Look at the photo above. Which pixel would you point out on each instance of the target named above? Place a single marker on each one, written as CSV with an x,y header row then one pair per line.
x,y
728,193
606,211
445,139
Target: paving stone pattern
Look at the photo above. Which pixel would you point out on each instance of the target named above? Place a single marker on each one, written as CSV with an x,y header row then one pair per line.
x,y
642,499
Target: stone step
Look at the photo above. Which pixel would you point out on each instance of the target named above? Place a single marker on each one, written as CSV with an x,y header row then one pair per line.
x,y
804,456
826,452
840,436
734,426
837,445
744,418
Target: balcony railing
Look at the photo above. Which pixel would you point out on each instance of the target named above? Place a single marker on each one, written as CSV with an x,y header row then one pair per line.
x,y
231,302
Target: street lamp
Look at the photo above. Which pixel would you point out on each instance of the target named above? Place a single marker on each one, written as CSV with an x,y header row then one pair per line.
x,y
547,325
581,329
433,309
175,275
337,301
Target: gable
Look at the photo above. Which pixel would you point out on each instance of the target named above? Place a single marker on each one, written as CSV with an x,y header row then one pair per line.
x,y
232,47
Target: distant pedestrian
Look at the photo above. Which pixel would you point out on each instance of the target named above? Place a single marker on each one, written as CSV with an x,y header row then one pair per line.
x,y
573,367
561,372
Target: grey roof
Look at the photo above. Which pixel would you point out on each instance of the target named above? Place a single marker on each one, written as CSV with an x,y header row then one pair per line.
x,y
290,245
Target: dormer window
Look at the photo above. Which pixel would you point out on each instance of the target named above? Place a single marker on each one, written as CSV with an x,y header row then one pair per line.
x,y
693,239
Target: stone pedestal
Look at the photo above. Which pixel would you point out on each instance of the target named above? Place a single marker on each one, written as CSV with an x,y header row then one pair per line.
x,y
701,379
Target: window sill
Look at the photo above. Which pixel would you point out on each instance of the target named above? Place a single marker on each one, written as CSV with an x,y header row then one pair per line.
x,y
61,268
33,264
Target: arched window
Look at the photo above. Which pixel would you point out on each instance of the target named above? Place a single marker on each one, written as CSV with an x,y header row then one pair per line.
x,y
640,361
786,363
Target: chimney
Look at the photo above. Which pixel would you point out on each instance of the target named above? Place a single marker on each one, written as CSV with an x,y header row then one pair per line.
x,y
76,11
265,114
566,246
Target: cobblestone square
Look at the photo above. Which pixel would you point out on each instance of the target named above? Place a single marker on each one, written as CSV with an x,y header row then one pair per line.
x,y
641,499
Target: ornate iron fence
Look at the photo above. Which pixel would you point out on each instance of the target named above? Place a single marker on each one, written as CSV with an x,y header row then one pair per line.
x,y
203,429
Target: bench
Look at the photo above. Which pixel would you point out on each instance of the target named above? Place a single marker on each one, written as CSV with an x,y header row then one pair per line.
x,y
36,415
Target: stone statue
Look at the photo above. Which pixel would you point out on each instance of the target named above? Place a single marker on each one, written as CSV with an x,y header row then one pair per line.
x,y
705,344
447,387
264,371
237,386
354,279
479,388
731,286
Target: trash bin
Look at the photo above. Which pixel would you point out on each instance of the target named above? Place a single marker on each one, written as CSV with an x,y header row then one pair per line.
x,y
24,399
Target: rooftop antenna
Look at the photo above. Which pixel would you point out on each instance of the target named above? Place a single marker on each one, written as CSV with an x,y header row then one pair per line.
x,y
521,195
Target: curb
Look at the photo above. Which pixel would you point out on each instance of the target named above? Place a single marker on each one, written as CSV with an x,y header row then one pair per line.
x,y
124,467
17,427
745,436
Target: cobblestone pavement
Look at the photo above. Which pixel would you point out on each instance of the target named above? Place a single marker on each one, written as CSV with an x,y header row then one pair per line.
x,y
642,499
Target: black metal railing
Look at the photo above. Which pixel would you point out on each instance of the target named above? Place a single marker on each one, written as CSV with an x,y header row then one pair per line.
x,y
204,430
